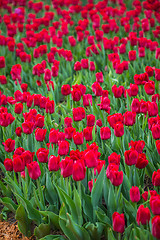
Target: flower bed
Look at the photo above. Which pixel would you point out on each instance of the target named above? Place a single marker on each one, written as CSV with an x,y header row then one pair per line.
x,y
79,118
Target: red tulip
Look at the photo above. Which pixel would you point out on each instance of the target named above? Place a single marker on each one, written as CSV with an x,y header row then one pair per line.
x,y
79,170
40,134
34,170
54,163
118,222
9,145
8,163
143,215
135,194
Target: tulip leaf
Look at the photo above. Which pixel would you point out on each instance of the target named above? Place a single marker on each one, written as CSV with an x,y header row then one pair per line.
x,y
95,230
6,201
53,237
6,191
102,217
24,223
50,192
53,218
97,189
42,230
125,187
112,206
69,202
63,221
87,207
79,232
78,205
33,213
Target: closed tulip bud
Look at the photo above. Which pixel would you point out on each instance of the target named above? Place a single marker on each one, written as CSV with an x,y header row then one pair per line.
x,y
119,129
53,136
8,163
105,133
135,106
131,157
2,62
77,66
156,178
18,108
142,162
91,159
27,156
78,114
155,204
149,87
156,227
63,148
158,146
157,74
129,118
40,134
114,158
65,89
34,170
99,77
135,194
111,167
152,109
155,131
143,215
68,122
79,170
118,222
78,138
9,145
54,163
18,131
42,155
87,132
90,120
18,164
66,166
116,177
76,94
28,127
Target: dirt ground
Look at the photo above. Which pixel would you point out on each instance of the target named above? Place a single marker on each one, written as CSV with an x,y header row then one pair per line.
x,y
9,231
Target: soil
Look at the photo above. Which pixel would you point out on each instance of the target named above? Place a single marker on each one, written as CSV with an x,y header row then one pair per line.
x,y
9,231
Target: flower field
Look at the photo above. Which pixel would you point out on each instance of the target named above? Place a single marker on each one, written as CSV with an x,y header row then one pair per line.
x,y
80,118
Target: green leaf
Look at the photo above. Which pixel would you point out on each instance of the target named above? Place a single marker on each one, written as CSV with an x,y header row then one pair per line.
x,y
50,192
55,237
69,202
62,223
102,217
97,189
112,206
53,218
42,230
77,201
24,224
79,232
6,201
87,207
6,191
95,231
33,213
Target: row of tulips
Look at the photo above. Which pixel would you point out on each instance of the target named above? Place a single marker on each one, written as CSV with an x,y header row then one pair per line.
x,y
79,118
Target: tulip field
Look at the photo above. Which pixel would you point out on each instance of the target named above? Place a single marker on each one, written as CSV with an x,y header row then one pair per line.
x,y
80,118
